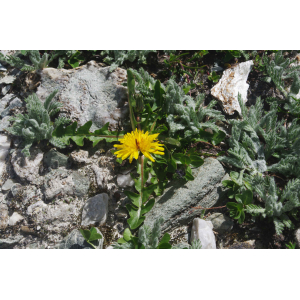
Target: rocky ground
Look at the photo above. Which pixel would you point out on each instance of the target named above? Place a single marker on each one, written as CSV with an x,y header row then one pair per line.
x,y
47,198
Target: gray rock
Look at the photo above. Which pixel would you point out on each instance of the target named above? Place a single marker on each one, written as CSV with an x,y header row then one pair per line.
x,y
7,185
2,68
90,92
221,223
55,159
4,217
10,242
14,219
95,210
4,123
75,240
16,189
5,89
175,205
27,168
65,182
13,104
297,237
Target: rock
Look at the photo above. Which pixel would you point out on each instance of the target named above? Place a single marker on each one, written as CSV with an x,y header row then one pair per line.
x,y
16,189
75,240
36,207
2,69
7,185
3,216
61,182
55,159
125,180
103,175
88,93
243,245
222,224
202,230
13,104
4,150
7,79
54,218
233,81
5,89
95,210
297,237
175,205
10,242
4,123
14,219
27,168
79,157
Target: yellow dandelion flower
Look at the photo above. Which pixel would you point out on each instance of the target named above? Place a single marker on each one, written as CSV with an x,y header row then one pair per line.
x,y
137,141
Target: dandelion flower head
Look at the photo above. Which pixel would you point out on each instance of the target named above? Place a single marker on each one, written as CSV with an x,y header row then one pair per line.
x,y
137,141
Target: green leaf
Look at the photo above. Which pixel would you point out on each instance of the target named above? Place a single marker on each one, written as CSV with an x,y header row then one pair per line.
x,y
237,178
134,197
85,233
188,175
171,166
94,234
218,137
158,93
246,197
196,161
165,239
75,59
228,183
148,206
181,159
127,235
164,246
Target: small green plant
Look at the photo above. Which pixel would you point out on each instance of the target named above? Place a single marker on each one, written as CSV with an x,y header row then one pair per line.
x,y
91,235
147,238
214,77
36,124
39,62
291,245
116,58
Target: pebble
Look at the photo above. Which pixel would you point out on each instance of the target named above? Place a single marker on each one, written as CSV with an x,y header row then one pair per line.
x,y
124,180
95,210
221,223
7,185
14,219
202,230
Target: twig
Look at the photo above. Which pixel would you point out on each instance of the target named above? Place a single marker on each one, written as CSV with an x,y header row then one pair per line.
x,y
200,207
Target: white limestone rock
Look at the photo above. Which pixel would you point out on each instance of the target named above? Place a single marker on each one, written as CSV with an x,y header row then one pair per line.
x,y
233,81
103,175
124,180
202,230
14,219
95,210
27,167
80,157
